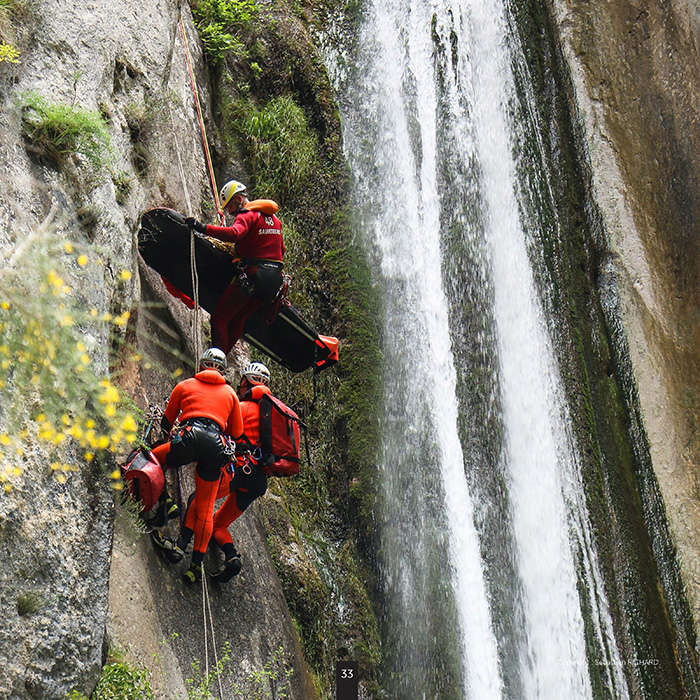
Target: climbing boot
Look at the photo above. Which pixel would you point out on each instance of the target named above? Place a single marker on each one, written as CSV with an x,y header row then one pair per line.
x,y
193,574
171,509
168,547
230,568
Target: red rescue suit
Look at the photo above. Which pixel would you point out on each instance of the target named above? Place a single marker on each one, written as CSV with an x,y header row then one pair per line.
x,y
207,409
244,487
259,245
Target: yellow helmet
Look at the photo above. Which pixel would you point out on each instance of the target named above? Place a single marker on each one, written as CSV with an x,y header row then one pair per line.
x,y
229,190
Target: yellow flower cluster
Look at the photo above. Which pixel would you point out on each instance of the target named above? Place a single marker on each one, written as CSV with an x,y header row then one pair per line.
x,y
8,53
40,348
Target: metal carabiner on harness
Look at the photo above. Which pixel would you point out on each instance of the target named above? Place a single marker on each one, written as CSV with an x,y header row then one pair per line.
x,y
229,447
176,434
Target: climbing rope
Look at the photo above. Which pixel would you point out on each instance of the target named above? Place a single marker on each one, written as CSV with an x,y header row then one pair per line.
x,y
209,618
196,311
198,106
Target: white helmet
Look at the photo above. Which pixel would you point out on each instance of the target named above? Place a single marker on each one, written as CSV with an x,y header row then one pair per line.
x,y
213,359
230,190
257,373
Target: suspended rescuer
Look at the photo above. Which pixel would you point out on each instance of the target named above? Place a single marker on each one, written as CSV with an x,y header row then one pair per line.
x,y
253,463
209,415
248,482
257,233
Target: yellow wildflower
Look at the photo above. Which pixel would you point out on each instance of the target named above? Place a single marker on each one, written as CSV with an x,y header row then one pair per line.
x,y
125,275
68,247
129,424
116,474
5,439
54,280
82,260
4,305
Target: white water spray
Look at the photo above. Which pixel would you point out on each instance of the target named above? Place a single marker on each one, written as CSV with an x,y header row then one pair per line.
x,y
426,72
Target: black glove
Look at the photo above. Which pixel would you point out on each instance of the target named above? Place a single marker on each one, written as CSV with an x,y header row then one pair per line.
x,y
198,226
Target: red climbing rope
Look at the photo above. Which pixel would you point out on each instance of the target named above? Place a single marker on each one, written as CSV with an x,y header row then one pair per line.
x,y
203,131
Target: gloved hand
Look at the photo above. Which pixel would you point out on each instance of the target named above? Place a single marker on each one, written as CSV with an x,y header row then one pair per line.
x,y
198,226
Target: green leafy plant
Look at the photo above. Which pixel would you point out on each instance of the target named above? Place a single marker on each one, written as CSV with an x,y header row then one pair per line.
x,y
128,514
268,683
220,24
283,149
61,130
120,680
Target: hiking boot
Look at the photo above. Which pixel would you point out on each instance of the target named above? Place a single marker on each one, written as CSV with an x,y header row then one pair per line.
x,y
230,568
193,574
171,509
167,546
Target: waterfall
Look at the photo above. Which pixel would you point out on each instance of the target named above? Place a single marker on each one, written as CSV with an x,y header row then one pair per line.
x,y
491,587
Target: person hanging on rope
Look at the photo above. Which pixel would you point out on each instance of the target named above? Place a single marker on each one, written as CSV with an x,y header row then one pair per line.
x,y
248,481
257,233
208,414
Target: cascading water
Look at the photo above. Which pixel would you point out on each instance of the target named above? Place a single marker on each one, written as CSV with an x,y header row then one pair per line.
x,y
485,542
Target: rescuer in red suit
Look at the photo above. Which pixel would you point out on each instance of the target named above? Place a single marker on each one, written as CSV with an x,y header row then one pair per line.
x,y
208,411
248,481
257,233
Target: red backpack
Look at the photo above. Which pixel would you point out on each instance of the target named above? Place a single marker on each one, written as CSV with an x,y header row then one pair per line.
x,y
144,477
279,437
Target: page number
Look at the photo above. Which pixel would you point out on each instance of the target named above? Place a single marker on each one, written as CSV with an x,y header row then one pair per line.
x,y
346,680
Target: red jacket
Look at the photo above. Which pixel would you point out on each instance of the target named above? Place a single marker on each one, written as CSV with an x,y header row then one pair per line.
x,y
257,236
206,395
250,412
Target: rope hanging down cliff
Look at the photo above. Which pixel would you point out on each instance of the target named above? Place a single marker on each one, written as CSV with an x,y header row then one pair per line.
x,y
212,180
202,129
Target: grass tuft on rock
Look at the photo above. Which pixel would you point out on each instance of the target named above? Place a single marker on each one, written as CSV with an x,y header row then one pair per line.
x,y
59,130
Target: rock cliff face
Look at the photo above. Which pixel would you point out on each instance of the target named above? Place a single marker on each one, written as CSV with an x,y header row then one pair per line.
x,y
124,61
635,70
